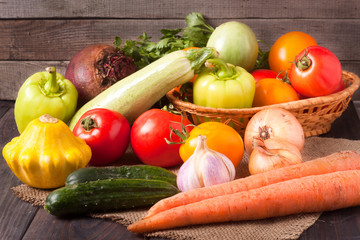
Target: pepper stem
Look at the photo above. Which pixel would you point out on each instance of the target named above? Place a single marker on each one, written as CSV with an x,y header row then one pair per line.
x,y
88,123
224,70
51,86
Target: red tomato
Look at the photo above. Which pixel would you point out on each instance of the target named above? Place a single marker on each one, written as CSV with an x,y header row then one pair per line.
x,y
273,91
284,50
106,132
263,73
148,135
316,72
340,87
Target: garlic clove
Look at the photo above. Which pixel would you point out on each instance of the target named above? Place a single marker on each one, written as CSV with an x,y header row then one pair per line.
x,y
187,177
215,171
204,168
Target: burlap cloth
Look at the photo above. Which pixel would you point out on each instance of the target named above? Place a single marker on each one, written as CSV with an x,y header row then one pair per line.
x,y
289,227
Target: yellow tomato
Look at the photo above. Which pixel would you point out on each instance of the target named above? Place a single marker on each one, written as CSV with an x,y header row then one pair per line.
x,y
220,137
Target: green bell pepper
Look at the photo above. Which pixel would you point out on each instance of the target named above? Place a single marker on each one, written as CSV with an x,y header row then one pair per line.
x,y
224,85
46,92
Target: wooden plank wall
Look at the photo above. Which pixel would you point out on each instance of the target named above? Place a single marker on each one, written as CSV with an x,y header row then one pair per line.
x,y
38,33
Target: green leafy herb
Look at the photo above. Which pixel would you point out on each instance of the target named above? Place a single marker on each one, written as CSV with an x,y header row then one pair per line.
x,y
144,51
262,62
197,31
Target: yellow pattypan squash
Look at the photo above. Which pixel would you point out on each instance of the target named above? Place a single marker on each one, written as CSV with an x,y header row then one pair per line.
x,y
46,153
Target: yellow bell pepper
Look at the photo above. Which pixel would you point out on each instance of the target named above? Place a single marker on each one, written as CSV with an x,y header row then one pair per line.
x,y
46,153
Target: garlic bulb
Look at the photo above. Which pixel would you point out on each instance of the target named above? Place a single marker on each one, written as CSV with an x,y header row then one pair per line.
x,y
204,168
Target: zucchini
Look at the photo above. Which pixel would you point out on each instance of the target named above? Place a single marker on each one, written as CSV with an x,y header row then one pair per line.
x,y
129,172
107,195
139,91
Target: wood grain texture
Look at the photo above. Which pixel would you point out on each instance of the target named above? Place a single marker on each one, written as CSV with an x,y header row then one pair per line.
x,y
4,107
40,33
170,9
54,31
331,226
14,73
78,228
348,118
61,39
357,107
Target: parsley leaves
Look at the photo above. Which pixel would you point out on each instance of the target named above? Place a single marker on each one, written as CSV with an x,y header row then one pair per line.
x,y
144,51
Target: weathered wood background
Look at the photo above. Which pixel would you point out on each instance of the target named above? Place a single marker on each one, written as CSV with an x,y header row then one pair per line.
x,y
38,33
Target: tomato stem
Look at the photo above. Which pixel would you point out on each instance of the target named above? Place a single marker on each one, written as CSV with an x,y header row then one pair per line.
x,y
285,79
304,62
183,135
88,123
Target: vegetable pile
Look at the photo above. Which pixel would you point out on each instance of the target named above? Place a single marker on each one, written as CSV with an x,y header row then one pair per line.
x,y
308,193
111,99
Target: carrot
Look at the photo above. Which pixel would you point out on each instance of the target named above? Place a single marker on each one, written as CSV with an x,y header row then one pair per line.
x,y
345,160
314,193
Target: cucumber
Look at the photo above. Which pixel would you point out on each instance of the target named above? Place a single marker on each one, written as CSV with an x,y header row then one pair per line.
x,y
107,195
130,172
139,91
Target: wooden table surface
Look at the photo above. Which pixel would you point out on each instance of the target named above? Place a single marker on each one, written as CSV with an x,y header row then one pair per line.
x,y
20,220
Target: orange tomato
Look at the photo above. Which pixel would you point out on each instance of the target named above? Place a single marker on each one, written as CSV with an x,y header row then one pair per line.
x,y
270,91
188,48
220,137
284,50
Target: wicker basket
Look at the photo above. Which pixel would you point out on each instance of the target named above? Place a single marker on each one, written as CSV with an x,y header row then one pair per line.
x,y
315,114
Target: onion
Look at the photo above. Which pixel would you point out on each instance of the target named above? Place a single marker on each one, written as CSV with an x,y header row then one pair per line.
x,y
272,153
95,68
274,122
